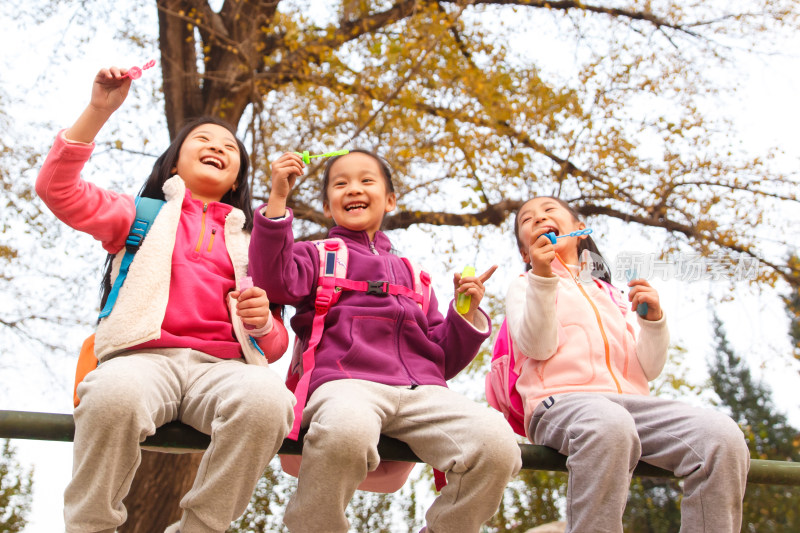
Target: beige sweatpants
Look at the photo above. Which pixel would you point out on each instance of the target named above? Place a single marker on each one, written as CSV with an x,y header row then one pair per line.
x,y
246,410
472,444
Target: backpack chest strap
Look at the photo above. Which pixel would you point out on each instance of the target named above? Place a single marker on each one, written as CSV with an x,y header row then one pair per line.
x,y
379,288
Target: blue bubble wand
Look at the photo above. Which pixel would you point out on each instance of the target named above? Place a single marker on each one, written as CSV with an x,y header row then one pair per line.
x,y
642,308
552,236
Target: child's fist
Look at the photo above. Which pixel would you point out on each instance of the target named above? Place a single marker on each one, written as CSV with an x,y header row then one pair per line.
x,y
541,252
642,293
285,170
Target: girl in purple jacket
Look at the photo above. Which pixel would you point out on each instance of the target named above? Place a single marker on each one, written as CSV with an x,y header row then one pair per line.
x,y
382,363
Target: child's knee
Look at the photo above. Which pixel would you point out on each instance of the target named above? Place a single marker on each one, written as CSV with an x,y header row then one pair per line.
x,y
616,430
344,442
115,397
729,438
503,452
498,433
262,406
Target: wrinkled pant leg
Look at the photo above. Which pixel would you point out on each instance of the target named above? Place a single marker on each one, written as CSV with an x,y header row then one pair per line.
x,y
472,444
123,401
602,447
247,410
706,449
344,420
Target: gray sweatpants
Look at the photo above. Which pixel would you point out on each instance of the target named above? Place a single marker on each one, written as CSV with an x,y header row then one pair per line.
x,y
473,445
605,435
246,409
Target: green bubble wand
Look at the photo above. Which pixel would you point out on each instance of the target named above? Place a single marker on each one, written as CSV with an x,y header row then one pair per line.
x,y
308,157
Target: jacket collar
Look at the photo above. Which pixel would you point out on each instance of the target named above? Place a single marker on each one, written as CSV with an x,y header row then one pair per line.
x,y
175,190
381,242
562,271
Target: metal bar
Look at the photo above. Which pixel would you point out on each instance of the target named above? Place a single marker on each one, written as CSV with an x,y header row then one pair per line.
x,y
176,438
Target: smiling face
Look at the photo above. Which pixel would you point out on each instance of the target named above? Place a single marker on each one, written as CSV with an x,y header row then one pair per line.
x,y
208,162
357,197
549,213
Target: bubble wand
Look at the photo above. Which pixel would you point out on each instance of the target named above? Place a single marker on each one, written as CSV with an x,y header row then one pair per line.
x,y
464,300
642,308
135,73
308,157
552,236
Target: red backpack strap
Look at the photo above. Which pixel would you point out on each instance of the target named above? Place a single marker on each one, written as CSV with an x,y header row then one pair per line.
x,y
332,268
421,293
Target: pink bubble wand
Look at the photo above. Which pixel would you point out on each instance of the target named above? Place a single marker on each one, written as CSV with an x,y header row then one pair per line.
x,y
135,73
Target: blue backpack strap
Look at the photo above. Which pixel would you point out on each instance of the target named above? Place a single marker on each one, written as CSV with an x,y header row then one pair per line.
x,y
146,211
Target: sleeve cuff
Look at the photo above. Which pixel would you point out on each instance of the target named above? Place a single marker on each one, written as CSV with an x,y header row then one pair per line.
x,y
481,324
63,136
263,212
263,330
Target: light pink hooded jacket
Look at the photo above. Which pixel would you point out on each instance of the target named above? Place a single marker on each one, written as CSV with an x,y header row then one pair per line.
x,y
579,337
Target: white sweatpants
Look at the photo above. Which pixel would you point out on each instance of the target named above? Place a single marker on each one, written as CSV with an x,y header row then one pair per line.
x,y
472,444
246,409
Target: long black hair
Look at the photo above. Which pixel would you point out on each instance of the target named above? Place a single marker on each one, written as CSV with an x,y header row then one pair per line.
x,y
583,244
162,171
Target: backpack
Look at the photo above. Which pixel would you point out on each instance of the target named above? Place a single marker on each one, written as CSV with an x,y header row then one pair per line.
x,y
501,381
332,281
146,211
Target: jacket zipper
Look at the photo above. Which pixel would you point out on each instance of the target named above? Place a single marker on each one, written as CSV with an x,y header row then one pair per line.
x,y
401,318
202,228
211,240
599,323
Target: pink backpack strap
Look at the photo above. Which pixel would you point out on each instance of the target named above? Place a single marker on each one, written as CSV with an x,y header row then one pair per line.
x,y
614,294
422,284
332,280
421,293
332,267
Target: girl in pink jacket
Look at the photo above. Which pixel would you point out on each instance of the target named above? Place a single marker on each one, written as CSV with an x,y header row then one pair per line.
x,y
584,383
175,345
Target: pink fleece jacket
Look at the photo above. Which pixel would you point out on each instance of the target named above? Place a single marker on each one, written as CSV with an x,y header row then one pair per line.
x,y
579,337
202,274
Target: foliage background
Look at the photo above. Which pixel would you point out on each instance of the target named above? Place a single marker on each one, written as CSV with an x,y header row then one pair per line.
x,y
48,273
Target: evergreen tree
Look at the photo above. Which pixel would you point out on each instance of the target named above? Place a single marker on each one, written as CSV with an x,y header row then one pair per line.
x,y
15,492
792,302
654,506
769,436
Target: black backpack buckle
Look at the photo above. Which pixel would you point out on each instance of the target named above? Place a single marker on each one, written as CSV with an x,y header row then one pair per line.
x,y
380,288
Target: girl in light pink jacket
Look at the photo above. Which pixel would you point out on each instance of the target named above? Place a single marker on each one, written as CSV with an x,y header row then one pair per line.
x,y
586,362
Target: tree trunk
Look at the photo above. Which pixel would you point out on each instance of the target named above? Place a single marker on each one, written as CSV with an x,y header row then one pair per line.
x,y
161,481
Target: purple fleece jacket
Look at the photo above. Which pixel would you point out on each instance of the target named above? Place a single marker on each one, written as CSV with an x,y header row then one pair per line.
x,y
384,339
